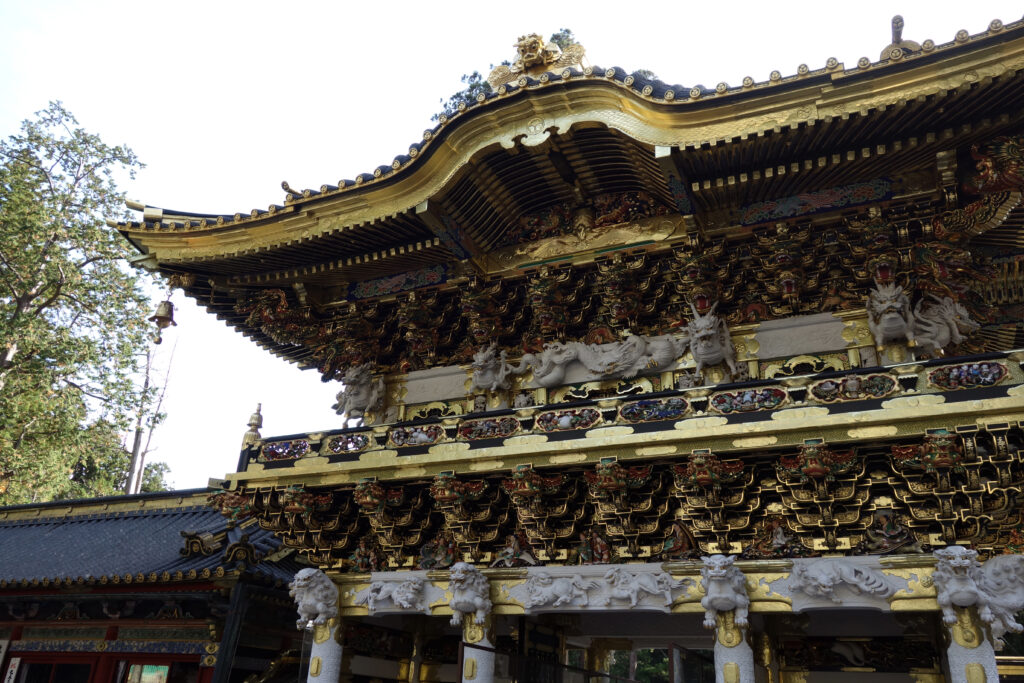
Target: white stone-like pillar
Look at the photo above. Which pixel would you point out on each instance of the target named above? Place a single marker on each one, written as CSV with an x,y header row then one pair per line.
x,y
316,598
734,658
478,665
977,604
970,655
726,604
325,661
471,608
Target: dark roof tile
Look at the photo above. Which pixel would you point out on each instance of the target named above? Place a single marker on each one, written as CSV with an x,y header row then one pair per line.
x,y
136,542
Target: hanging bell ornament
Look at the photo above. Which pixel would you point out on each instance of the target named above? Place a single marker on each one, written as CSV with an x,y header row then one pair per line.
x,y
164,318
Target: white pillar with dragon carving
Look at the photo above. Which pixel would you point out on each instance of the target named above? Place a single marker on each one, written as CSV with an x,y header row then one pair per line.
x,y
726,604
316,598
471,608
978,604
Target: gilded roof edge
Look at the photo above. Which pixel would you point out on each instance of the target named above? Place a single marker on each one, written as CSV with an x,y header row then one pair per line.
x,y
655,114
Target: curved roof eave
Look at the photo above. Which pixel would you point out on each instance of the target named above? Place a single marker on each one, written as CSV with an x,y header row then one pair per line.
x,y
528,115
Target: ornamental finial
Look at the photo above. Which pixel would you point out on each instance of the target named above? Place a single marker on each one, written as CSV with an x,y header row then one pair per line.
x,y
534,56
897,42
255,422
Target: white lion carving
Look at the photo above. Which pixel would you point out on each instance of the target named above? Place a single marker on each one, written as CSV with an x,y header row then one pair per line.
x,y
821,578
471,593
406,594
625,585
541,588
725,588
316,597
997,589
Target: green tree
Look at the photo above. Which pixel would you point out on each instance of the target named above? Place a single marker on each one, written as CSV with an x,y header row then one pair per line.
x,y
153,477
72,314
477,84
651,665
563,38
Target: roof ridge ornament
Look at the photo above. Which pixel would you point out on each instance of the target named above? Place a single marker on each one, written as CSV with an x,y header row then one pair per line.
x,y
535,56
898,43
252,436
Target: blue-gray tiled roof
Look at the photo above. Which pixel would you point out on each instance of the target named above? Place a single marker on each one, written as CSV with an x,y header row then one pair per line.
x,y
142,537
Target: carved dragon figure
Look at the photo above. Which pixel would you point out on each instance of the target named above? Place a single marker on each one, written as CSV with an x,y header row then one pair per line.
x,y
490,370
889,316
710,342
941,322
362,392
617,360
821,578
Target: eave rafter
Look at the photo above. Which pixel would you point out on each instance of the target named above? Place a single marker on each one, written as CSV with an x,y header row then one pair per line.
x,y
353,268
847,96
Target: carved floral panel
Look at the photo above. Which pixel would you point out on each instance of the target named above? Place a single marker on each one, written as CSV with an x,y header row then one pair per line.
x,y
415,436
654,409
967,375
562,420
748,400
488,428
285,450
853,388
347,443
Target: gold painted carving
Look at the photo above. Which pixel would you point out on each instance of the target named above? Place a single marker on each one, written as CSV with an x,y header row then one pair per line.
x,y
834,361
473,632
653,229
731,672
469,670
321,633
975,673
966,631
314,667
856,333
764,655
729,634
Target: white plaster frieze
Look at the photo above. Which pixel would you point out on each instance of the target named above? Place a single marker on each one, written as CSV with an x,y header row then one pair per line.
x,y
599,587
827,583
389,592
815,333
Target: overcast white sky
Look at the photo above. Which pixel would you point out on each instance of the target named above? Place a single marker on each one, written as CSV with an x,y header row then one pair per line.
x,y
224,100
